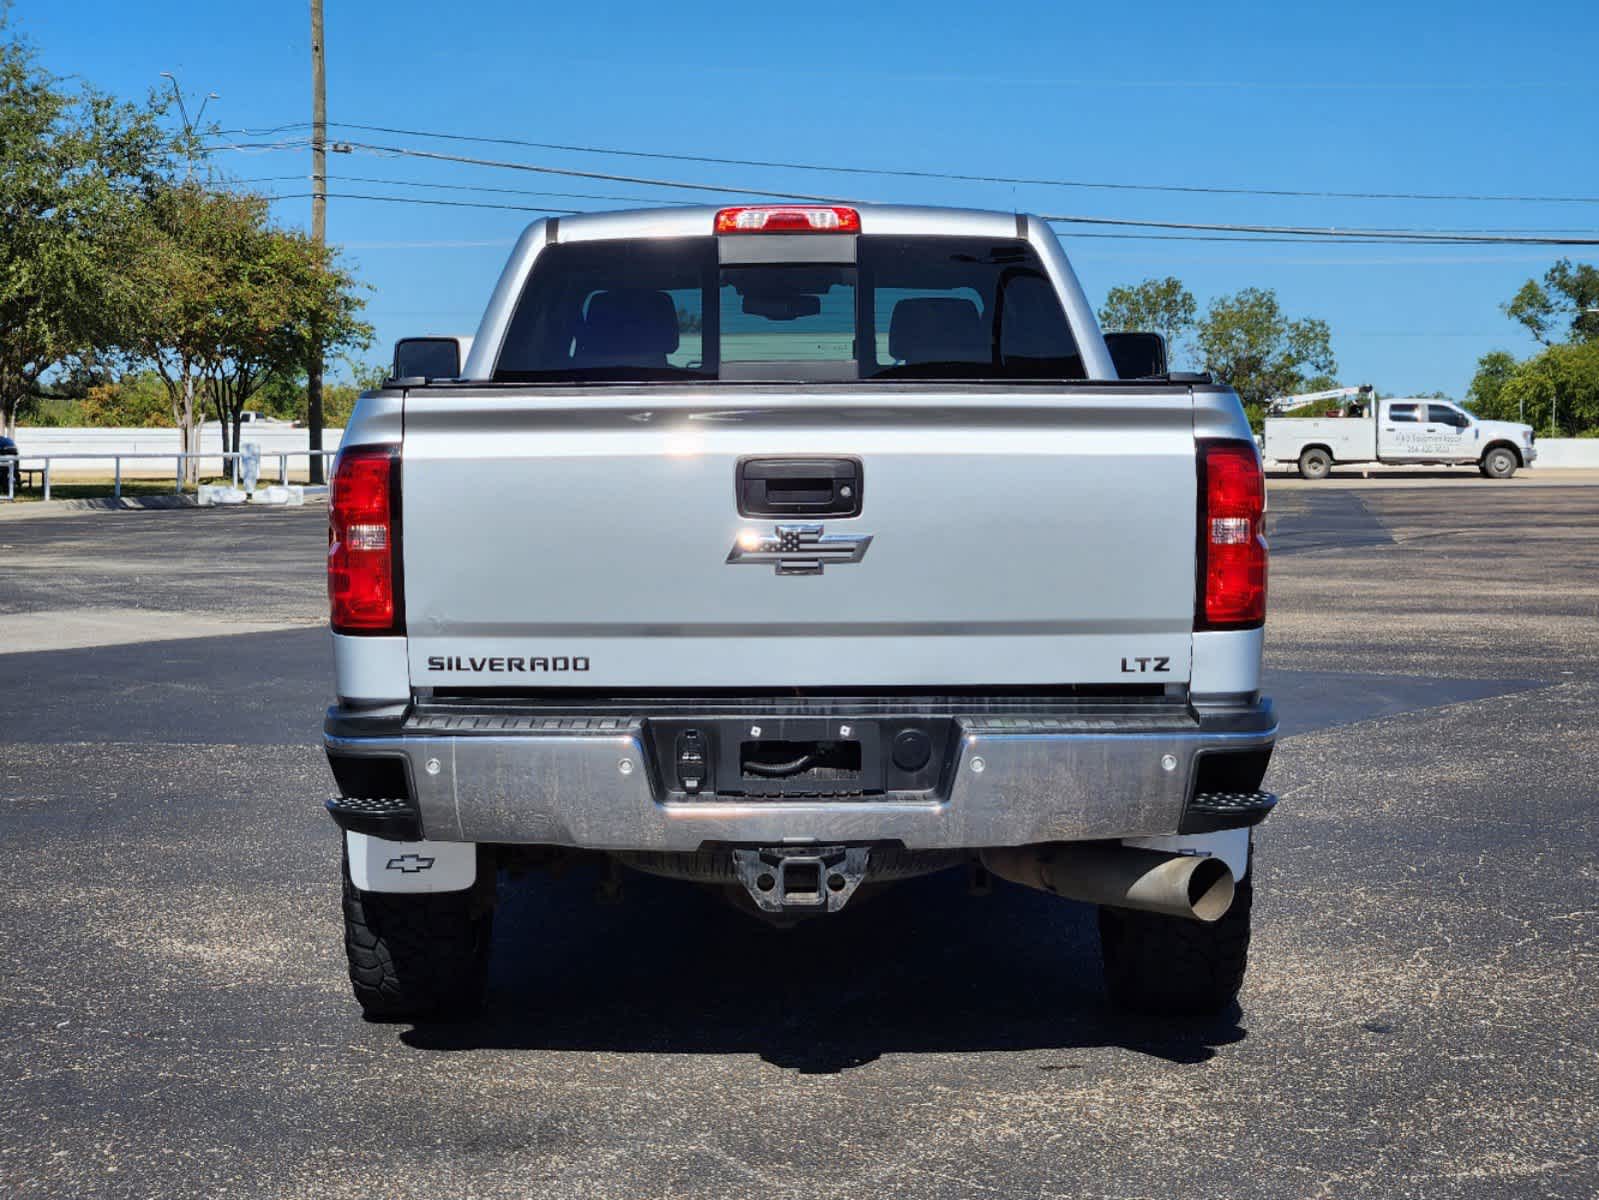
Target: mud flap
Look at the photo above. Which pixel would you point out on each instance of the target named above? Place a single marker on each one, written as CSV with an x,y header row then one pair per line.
x,y
379,865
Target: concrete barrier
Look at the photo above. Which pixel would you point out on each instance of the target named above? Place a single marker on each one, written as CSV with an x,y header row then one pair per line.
x,y
1567,452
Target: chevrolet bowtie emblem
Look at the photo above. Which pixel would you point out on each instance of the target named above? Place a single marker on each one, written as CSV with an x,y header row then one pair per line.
x,y
410,863
798,549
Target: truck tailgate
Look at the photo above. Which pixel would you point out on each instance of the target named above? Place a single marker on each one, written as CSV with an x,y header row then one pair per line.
x,y
581,537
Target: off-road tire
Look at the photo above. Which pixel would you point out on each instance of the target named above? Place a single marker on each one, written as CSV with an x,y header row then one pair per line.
x,y
1499,463
1315,463
419,956
1171,966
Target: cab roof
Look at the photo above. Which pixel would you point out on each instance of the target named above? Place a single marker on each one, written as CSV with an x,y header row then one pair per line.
x,y
904,220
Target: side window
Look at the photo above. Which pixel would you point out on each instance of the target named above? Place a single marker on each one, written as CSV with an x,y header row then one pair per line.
x,y
1402,412
1444,414
1035,337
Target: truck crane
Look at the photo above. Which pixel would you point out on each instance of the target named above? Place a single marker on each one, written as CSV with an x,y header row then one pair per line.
x,y
1285,404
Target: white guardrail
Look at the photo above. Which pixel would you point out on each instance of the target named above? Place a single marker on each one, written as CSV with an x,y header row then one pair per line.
x,y
105,441
81,450
14,465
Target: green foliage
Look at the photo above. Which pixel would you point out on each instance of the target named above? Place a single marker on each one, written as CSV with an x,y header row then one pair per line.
x,y
134,401
1162,306
1565,302
1494,370
366,376
218,301
338,402
338,399
52,412
1556,392
106,253
74,162
282,394
1246,340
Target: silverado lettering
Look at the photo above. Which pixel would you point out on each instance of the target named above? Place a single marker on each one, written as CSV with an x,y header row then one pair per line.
x,y
497,664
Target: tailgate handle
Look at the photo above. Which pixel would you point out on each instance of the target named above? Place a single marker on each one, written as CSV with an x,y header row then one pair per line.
x,y
799,487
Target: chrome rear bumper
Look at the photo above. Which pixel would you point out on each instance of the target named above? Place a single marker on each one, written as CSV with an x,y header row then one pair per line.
x,y
1013,778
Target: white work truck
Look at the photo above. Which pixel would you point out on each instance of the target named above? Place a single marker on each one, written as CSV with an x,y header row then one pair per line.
x,y
1411,430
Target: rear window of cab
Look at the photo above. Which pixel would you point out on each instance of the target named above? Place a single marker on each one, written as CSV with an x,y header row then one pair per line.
x,y
906,308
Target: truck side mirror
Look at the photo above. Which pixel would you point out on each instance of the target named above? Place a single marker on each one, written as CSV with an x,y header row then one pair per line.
x,y
1137,355
427,358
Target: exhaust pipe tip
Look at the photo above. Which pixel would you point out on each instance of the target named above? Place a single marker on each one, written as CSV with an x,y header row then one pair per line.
x,y
1210,889
1193,886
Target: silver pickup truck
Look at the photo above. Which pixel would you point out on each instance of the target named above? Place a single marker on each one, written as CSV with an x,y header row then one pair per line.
x,y
793,550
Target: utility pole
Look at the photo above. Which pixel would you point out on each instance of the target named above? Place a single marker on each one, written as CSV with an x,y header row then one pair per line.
x,y
319,226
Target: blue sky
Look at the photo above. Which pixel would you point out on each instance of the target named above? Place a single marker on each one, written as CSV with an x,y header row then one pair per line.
x,y
1357,96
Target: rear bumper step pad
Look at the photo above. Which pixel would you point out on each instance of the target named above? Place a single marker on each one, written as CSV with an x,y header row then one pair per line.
x,y
1210,812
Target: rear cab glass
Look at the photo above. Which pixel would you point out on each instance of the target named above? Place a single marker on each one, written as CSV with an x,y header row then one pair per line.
x,y
906,308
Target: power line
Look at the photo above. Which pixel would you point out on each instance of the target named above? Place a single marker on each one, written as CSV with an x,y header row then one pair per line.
x,y
1333,234
573,172
473,187
564,212
661,200
904,173
1242,239
1328,234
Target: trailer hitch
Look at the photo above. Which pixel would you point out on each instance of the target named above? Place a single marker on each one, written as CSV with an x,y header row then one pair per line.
x,y
792,881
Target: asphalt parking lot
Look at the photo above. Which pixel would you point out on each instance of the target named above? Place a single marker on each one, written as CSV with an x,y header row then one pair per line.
x,y
1421,1016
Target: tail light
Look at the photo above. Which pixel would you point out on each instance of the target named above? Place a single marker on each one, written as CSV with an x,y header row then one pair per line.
x,y
364,542
1232,539
788,218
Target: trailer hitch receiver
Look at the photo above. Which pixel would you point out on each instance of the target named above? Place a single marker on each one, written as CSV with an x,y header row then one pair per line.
x,y
795,882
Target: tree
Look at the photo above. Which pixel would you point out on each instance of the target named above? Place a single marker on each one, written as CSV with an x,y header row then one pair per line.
x,y
1247,341
277,291
39,254
217,300
1565,302
73,162
1162,306
176,251
1494,370
1556,392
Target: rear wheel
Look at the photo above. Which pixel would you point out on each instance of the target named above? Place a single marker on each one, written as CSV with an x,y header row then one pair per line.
x,y
416,956
1172,966
1315,463
1499,463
